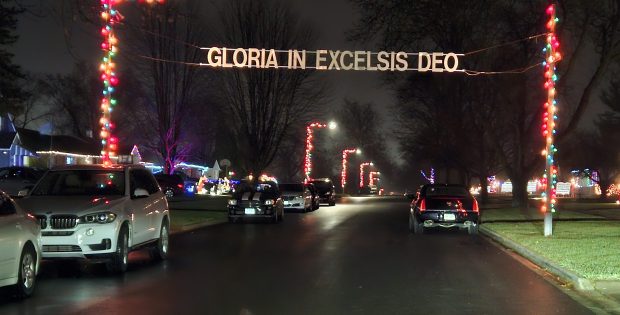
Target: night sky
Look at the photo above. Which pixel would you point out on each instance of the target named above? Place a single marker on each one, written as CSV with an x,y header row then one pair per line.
x,y
43,48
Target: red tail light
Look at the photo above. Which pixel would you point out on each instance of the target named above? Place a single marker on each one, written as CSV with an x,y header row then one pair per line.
x,y
423,205
475,206
180,185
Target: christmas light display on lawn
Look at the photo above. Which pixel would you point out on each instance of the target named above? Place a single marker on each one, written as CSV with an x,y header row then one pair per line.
x,y
550,178
343,174
362,165
431,178
310,146
111,17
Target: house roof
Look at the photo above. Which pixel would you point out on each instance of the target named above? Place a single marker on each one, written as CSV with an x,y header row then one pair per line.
x,y
34,141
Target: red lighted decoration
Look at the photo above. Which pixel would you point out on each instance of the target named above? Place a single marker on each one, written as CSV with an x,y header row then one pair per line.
x,y
309,147
343,174
362,165
111,18
372,176
552,57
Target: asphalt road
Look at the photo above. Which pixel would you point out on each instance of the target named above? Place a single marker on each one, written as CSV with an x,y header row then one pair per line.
x,y
354,258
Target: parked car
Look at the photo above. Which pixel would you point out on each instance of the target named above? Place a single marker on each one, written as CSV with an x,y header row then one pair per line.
x,y
15,178
100,213
171,185
316,198
20,247
446,206
190,184
256,199
326,189
297,197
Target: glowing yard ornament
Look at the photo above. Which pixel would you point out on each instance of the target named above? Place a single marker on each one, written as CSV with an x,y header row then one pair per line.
x,y
111,17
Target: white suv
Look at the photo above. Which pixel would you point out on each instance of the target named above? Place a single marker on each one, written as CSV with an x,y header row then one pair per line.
x,y
100,213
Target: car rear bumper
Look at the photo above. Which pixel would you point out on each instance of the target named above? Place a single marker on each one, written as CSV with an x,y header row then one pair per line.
x,y
448,219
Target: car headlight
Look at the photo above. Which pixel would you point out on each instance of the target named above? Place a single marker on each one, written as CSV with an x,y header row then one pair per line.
x,y
99,217
232,202
269,202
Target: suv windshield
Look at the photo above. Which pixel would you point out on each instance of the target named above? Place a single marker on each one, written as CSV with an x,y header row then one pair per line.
x,y
81,183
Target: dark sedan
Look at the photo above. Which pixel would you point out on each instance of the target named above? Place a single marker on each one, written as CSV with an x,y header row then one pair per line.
x,y
171,185
445,206
256,200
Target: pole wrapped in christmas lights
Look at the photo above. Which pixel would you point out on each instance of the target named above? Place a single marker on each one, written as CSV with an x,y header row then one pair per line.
x,y
362,165
343,174
550,178
372,176
107,68
310,146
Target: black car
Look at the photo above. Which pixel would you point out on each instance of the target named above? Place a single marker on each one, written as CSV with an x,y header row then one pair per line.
x,y
15,178
446,206
326,190
256,199
171,185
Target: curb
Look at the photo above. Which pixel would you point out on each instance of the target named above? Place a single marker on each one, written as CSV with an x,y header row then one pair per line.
x,y
191,227
581,284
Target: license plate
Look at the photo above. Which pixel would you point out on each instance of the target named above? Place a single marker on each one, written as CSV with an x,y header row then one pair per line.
x,y
449,217
250,211
286,203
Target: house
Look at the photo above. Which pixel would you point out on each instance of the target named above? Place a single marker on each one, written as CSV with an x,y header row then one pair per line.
x,y
25,147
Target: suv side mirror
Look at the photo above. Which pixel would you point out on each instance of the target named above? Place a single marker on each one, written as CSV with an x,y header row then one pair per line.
x,y
140,193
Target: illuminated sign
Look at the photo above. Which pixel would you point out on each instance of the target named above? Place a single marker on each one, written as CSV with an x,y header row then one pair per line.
x,y
563,188
532,186
222,57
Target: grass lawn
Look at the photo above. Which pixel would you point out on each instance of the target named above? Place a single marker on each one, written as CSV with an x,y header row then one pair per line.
x,y
589,247
181,218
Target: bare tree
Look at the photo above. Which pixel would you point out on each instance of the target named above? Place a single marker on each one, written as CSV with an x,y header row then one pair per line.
x,y
259,104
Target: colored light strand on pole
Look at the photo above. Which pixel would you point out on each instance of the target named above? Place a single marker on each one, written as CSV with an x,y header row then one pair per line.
x,y
309,147
362,165
343,174
552,56
107,68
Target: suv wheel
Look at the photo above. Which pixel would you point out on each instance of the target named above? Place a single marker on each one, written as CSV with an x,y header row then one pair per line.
x,y
26,276
169,193
118,263
160,251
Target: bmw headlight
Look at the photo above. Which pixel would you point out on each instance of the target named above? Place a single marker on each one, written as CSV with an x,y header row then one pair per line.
x,y
269,202
232,202
99,217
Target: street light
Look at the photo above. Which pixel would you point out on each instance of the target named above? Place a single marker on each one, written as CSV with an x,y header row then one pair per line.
x,y
309,146
362,172
343,175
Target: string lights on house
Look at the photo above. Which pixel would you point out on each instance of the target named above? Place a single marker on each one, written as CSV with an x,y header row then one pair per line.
x,y
343,174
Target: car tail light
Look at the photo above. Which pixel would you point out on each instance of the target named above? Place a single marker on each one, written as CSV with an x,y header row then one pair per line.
x,y
180,185
423,205
475,206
